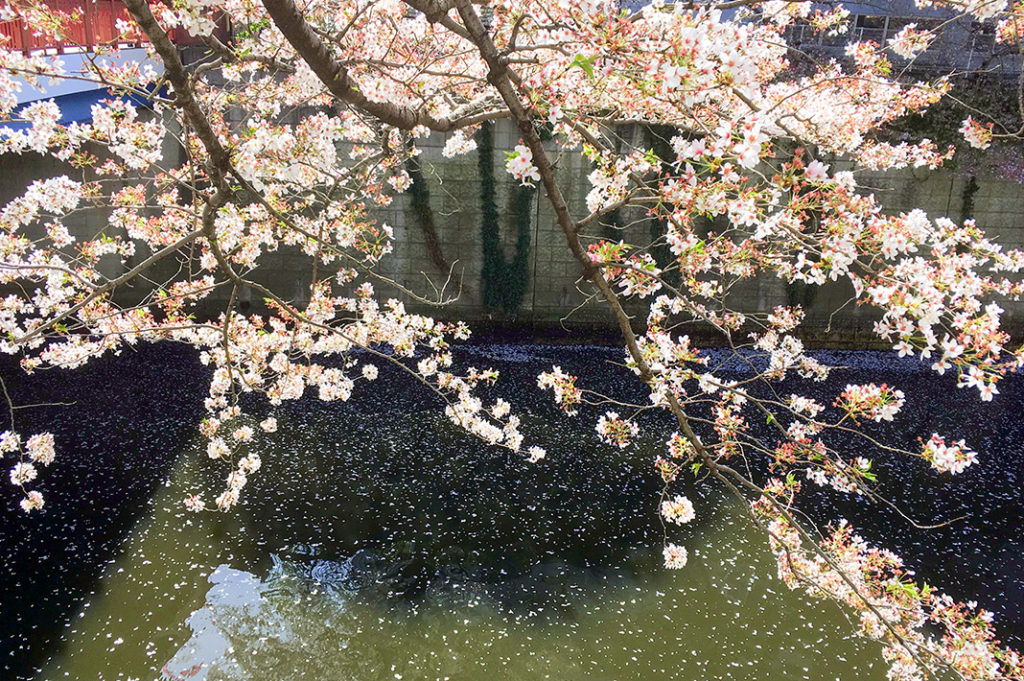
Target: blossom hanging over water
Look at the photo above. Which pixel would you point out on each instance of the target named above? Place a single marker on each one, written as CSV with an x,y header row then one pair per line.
x,y
23,472
194,503
32,501
675,556
952,458
616,431
678,510
40,448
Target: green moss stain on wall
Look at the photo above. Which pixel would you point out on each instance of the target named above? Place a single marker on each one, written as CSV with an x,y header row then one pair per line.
x,y
503,280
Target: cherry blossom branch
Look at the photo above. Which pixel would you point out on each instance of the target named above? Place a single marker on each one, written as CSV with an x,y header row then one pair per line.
x,y
289,20
720,470
110,286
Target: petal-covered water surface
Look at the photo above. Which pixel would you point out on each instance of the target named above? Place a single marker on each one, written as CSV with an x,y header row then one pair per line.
x,y
378,541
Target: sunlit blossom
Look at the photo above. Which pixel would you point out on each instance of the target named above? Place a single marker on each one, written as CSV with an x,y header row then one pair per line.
x,y
675,556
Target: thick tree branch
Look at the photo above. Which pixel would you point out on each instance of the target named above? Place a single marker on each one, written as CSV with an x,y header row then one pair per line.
x,y
176,75
502,79
289,20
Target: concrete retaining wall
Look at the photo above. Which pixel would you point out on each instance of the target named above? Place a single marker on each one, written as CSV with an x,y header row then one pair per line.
x,y
555,293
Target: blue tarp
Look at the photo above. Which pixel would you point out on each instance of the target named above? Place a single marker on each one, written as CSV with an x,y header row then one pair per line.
x,y
75,107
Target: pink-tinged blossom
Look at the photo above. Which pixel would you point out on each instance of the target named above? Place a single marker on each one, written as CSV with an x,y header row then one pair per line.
x,y
9,441
980,9
33,501
520,165
41,449
217,448
616,431
227,499
678,510
978,135
816,171
567,395
194,503
876,402
1011,29
805,405
400,182
23,472
909,42
458,144
948,458
785,319
249,464
237,480
675,556
315,183
680,447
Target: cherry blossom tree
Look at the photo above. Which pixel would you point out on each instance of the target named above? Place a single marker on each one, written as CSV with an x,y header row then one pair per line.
x,y
751,145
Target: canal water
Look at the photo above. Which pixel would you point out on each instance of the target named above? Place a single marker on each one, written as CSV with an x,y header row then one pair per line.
x,y
380,542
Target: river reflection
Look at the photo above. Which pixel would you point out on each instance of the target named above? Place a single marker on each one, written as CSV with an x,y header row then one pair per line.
x,y
380,542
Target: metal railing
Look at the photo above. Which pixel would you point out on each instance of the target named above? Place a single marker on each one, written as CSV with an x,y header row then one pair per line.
x,y
88,23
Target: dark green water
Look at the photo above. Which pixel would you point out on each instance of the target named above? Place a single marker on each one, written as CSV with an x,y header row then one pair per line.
x,y
557,581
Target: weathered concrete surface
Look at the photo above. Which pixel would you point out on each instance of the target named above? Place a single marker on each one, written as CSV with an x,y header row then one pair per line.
x,y
555,295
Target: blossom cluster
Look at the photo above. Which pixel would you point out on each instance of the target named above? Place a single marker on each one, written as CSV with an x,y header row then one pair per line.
x,y
38,449
567,395
909,41
875,402
615,430
678,510
675,556
978,135
948,458
906,617
635,274
520,165
1010,29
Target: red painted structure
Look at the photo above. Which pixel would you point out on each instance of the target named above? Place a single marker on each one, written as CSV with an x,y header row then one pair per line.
x,y
92,22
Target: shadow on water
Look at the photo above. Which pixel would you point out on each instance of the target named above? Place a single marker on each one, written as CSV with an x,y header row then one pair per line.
x,y
380,542
116,445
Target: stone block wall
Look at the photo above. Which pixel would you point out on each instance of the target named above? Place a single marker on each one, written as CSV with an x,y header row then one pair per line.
x,y
557,295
